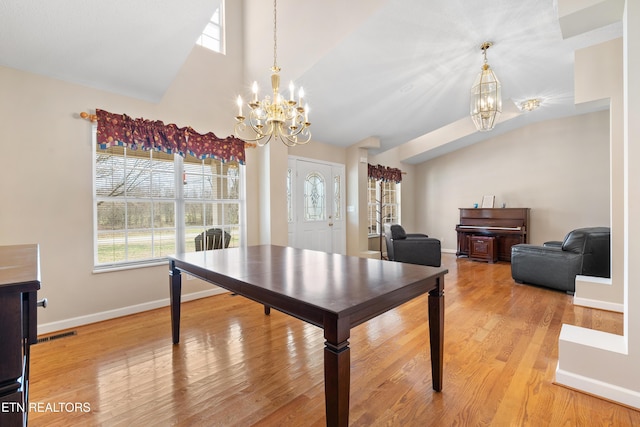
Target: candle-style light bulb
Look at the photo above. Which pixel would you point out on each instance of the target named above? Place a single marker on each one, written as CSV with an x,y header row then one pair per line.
x,y
239,102
300,95
291,90
254,89
306,113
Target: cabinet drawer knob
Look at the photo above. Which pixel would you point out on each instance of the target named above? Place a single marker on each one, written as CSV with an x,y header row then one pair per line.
x,y
42,303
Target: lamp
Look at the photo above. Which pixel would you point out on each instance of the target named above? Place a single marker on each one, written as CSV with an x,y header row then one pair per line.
x,y
274,117
486,98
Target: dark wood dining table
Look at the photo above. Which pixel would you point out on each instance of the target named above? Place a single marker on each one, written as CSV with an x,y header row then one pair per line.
x,y
332,291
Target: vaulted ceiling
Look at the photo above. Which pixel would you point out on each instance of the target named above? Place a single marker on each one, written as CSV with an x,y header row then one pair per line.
x,y
399,71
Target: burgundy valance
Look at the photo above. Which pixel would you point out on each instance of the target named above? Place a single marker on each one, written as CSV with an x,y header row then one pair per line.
x,y
122,130
384,173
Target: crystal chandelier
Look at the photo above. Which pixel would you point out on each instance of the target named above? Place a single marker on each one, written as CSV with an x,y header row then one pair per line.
x,y
486,99
530,104
274,117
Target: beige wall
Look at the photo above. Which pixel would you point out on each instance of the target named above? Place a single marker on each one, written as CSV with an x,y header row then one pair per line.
x,y
46,178
599,75
559,169
46,175
407,189
319,151
596,362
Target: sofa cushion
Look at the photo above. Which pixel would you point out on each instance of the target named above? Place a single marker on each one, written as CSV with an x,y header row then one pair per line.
x,y
397,232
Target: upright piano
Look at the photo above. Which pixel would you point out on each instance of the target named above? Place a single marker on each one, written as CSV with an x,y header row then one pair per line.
x,y
509,226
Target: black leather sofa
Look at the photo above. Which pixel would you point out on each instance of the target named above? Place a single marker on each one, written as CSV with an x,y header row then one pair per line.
x,y
585,251
412,248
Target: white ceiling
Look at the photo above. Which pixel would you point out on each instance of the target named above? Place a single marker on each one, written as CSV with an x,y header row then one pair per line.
x,y
396,70
132,47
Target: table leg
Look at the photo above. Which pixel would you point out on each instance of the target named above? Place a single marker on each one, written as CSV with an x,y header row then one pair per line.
x,y
267,309
436,332
337,373
175,290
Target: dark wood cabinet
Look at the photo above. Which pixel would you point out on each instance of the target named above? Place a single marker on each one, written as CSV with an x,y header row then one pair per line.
x,y
19,283
509,226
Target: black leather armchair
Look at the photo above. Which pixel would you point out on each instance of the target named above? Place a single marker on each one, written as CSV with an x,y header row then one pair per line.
x,y
411,248
584,251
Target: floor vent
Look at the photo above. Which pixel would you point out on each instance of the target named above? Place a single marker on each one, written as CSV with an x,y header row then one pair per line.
x,y
57,336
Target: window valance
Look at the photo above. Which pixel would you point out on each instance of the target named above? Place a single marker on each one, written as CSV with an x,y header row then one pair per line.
x,y
384,173
122,130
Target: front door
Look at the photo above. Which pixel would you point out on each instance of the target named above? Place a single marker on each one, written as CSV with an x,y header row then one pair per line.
x,y
316,197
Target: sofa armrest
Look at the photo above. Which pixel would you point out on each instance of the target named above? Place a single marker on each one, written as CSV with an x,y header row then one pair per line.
x,y
423,251
416,235
545,266
553,243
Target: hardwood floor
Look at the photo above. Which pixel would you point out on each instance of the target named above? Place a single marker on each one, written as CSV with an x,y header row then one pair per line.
x,y
237,367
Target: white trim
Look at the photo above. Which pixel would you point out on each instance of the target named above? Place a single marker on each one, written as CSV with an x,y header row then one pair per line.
x,y
597,388
574,342
119,312
370,254
582,280
601,305
321,162
107,268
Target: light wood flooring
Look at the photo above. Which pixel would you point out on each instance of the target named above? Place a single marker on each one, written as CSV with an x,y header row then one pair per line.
x,y
235,366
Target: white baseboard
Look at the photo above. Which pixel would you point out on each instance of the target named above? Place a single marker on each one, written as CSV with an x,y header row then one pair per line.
x,y
601,305
73,322
585,286
597,388
370,254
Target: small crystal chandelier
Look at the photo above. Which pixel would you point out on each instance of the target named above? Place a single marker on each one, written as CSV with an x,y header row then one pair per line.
x,y
530,104
277,117
486,98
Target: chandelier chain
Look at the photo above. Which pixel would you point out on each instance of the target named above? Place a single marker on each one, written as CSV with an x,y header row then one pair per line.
x,y
275,37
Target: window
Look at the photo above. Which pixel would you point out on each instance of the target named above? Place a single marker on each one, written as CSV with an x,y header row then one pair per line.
x,y
289,198
148,201
337,198
314,197
212,199
212,36
383,206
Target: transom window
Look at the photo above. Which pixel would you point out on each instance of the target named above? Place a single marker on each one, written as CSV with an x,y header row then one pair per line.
x,y
212,36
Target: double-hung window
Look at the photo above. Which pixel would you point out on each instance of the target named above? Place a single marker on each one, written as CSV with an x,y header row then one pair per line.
x,y
148,204
383,204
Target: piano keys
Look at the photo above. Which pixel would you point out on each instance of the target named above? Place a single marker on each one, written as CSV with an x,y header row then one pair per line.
x,y
509,226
